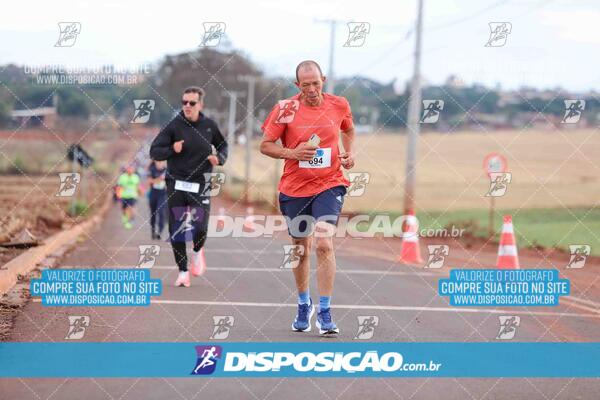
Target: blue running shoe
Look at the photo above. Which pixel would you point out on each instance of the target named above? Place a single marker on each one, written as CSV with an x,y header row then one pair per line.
x,y
302,321
326,326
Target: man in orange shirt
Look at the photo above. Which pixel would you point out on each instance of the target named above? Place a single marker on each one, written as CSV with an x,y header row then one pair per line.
x,y
312,187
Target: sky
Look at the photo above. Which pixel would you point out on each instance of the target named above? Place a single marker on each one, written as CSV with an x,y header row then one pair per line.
x,y
551,44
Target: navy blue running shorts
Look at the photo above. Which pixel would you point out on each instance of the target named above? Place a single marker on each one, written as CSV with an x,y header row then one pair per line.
x,y
301,213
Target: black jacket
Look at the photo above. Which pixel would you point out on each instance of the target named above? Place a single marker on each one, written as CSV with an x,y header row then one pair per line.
x,y
191,163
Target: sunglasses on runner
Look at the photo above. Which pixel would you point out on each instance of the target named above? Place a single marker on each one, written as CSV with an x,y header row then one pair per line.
x,y
191,103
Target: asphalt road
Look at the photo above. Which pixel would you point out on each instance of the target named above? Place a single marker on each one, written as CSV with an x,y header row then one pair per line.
x,y
244,280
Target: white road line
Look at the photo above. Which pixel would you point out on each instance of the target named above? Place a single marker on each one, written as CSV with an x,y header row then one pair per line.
x,y
583,301
580,306
377,307
338,271
270,270
571,301
371,307
208,250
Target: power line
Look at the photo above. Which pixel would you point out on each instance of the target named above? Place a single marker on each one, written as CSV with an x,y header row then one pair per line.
x,y
467,18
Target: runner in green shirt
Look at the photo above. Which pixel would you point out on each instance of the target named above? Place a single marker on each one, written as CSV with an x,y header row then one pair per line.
x,y
130,190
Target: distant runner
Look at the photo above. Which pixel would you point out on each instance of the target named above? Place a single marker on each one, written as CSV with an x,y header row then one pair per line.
x,y
312,184
157,197
130,190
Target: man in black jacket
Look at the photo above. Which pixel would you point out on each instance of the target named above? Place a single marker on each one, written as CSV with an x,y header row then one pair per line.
x,y
192,144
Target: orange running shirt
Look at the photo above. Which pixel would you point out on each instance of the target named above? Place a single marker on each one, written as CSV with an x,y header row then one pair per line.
x,y
294,123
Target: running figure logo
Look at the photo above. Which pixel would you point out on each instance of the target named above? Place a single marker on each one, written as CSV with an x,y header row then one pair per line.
x,y
498,184
287,111
431,111
508,326
222,326
291,255
142,111
437,255
68,33
148,255
207,359
358,183
213,32
499,32
185,220
579,253
68,183
366,326
357,33
573,110
77,325
213,180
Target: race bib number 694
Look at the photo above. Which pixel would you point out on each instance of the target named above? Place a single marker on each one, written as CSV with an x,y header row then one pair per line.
x,y
322,159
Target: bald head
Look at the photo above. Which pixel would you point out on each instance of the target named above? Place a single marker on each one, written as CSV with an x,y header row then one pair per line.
x,y
307,65
310,79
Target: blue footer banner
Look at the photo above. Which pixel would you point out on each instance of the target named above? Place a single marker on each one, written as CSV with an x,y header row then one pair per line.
x,y
304,359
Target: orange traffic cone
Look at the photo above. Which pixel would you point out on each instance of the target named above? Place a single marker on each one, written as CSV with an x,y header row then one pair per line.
x,y
507,251
221,219
409,249
249,221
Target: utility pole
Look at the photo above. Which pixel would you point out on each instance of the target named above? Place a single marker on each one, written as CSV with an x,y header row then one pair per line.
x,y
278,162
330,83
249,123
414,111
74,197
233,96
